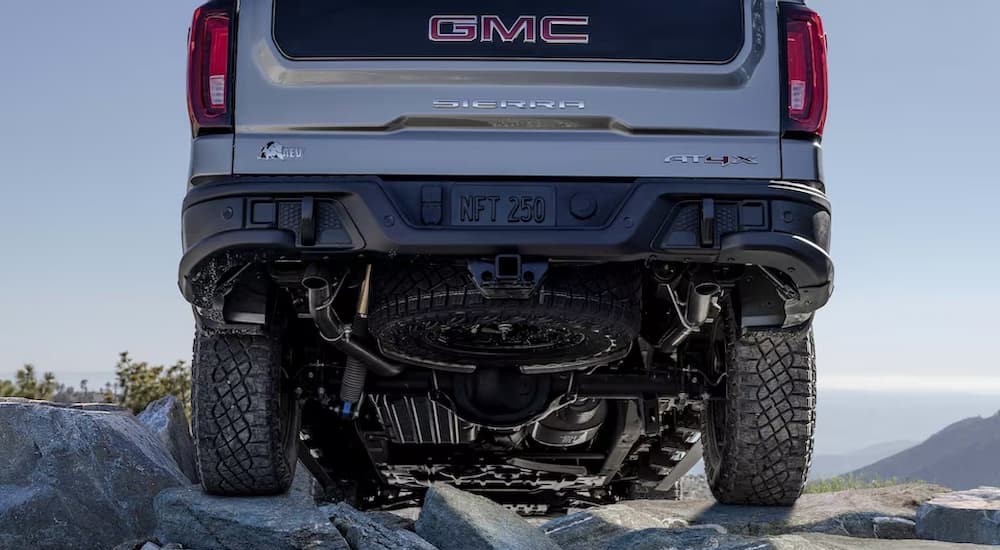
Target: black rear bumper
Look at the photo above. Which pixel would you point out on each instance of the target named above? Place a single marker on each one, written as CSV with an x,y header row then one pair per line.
x,y
783,226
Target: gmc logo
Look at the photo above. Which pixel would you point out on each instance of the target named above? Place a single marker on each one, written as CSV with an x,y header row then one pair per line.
x,y
551,29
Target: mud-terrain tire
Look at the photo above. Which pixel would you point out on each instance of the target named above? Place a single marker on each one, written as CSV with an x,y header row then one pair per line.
x,y
434,315
245,419
758,442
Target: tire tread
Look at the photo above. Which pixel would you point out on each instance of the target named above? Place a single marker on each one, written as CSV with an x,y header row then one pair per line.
x,y
240,444
770,416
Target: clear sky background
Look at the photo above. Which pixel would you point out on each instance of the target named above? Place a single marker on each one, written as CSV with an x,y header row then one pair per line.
x,y
93,159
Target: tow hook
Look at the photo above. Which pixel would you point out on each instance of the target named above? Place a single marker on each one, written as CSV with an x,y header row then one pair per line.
x,y
507,276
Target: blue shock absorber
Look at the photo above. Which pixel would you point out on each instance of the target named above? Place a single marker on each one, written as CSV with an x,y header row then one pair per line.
x,y
352,386
355,372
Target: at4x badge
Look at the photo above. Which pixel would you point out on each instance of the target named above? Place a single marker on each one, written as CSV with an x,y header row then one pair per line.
x,y
718,160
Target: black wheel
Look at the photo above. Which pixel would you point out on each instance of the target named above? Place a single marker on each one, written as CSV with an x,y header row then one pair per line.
x,y
434,315
245,418
758,442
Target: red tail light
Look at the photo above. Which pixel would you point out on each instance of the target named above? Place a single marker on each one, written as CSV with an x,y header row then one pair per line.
x,y
209,68
805,55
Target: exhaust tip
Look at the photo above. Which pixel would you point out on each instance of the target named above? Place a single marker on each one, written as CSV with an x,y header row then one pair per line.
x,y
707,289
315,282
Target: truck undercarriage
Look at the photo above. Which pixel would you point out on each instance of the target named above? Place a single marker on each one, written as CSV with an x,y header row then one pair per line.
x,y
538,436
405,440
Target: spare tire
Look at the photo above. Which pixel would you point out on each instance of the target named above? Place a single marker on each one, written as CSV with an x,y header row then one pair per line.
x,y
433,315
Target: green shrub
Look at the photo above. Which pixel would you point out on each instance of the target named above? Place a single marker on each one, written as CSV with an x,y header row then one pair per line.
x,y
137,384
26,384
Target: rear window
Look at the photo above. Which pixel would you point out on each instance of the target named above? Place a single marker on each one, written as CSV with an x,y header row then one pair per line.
x,y
694,31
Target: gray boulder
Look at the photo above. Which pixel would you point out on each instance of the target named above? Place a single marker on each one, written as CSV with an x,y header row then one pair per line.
x,y
894,528
660,539
193,519
593,529
167,419
964,516
455,520
403,519
77,477
366,532
138,544
850,513
689,539
818,541
99,407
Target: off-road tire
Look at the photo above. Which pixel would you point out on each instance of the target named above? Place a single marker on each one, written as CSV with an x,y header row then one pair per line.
x,y
245,420
597,309
759,441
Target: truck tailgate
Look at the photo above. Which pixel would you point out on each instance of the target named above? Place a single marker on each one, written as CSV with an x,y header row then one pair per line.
x,y
551,88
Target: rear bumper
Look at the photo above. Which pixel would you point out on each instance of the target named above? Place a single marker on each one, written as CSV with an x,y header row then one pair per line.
x,y
780,225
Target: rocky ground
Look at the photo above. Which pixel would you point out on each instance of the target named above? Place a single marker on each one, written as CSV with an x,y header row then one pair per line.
x,y
96,477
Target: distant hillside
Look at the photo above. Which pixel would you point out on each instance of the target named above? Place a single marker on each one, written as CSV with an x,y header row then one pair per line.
x,y
964,455
832,465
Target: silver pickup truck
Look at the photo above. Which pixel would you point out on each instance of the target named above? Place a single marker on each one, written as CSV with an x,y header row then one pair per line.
x,y
551,252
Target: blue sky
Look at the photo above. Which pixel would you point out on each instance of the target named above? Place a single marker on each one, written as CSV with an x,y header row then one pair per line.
x,y
909,151
94,147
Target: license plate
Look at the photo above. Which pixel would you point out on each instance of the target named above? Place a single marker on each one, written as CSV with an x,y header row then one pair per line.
x,y
513,206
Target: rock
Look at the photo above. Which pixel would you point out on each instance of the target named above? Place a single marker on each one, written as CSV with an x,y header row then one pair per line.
x,y
851,513
136,544
817,541
304,485
688,539
100,407
593,529
194,519
167,419
364,532
895,528
965,516
455,520
695,487
405,519
73,477
662,539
